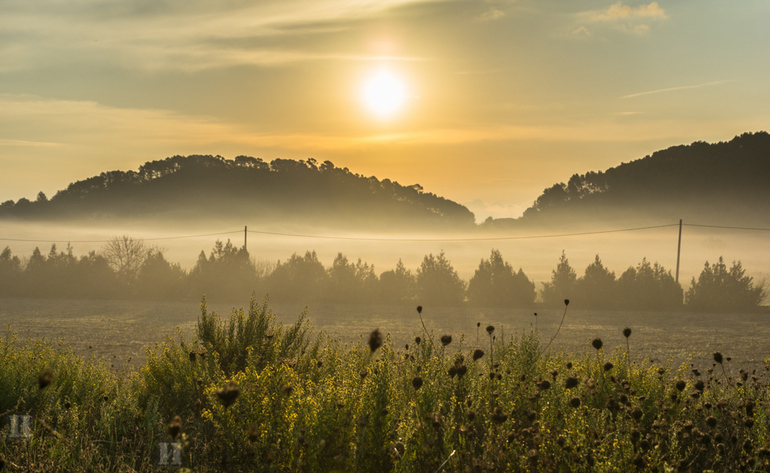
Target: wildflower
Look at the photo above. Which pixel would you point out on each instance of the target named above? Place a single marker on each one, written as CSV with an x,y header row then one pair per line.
x,y
44,379
174,427
229,393
626,332
416,383
446,340
477,353
597,343
375,340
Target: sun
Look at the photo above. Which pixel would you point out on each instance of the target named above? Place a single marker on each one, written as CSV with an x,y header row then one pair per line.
x,y
384,93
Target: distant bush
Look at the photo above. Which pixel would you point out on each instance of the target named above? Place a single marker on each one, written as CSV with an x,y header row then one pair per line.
x,y
720,289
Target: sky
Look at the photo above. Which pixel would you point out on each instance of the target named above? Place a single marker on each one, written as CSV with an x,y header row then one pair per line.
x,y
489,102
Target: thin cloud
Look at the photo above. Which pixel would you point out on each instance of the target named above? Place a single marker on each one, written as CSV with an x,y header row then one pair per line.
x,y
619,12
673,89
621,17
491,14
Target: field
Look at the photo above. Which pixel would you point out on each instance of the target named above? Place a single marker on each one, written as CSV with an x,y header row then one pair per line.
x,y
452,390
117,330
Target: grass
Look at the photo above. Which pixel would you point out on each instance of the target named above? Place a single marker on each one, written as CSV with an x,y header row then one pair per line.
x,y
254,395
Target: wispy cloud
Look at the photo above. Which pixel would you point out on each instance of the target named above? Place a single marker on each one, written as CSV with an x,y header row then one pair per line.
x,y
181,35
620,17
673,89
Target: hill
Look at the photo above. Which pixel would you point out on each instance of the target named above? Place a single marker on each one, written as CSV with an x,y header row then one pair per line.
x,y
726,181
246,189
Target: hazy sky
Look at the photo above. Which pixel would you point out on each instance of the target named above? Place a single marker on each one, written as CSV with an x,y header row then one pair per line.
x,y
499,99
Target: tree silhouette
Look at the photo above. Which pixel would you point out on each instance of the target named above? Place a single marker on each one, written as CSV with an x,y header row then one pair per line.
x,y
649,287
438,283
496,284
597,287
562,284
720,289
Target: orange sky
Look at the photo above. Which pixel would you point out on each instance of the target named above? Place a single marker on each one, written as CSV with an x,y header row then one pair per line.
x,y
501,98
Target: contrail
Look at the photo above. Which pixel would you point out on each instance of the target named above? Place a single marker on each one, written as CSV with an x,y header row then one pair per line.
x,y
670,89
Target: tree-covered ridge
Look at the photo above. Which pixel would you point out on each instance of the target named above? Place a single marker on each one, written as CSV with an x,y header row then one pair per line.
x,y
700,173
282,187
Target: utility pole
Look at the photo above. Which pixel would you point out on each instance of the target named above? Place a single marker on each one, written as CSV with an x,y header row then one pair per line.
x,y
246,235
679,251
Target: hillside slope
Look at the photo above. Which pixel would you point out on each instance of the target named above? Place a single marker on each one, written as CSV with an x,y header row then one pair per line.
x,y
282,191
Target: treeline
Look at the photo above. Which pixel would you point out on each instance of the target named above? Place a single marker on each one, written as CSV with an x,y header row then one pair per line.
x,y
700,174
282,189
127,268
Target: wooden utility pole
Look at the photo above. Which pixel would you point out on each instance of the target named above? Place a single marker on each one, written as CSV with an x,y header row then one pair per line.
x,y
679,251
246,236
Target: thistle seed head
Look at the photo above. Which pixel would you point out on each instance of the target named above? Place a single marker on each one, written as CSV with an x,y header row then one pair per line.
x,y
175,427
375,340
597,343
626,332
44,379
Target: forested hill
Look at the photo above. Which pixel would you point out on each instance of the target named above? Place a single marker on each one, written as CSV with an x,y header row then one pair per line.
x,y
246,189
729,181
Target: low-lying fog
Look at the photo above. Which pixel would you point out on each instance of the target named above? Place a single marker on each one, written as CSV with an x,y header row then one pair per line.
x,y
537,251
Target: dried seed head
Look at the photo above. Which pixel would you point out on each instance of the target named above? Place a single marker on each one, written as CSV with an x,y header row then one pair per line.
x,y
711,421
597,343
419,309
608,366
363,373
446,340
253,433
574,402
174,427
566,302
680,385
626,332
637,413
417,340
287,390
416,383
229,393
44,379
544,385
477,353
375,340
718,357
192,355
571,382
490,329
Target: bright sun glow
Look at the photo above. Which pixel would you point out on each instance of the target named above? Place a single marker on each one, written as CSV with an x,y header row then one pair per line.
x,y
384,93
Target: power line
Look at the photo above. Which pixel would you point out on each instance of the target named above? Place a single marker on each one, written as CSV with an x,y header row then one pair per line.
x,y
396,239
24,240
728,227
520,237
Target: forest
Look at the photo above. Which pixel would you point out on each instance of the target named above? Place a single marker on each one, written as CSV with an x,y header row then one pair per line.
x,y
245,187
127,268
720,180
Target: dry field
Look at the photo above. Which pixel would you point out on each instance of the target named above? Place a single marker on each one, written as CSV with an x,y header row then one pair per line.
x,y
123,330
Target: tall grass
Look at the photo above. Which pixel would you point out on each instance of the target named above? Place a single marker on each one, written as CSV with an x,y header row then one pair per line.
x,y
253,395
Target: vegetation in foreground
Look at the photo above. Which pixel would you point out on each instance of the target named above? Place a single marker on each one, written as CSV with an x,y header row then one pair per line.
x,y
251,395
